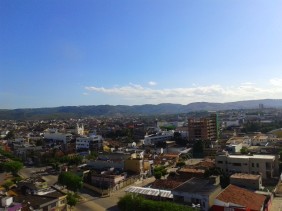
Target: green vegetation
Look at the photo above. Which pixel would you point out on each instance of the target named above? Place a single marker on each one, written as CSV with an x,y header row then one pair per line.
x,y
169,127
13,167
261,127
224,178
180,164
72,199
76,160
159,172
278,133
198,149
7,184
137,203
93,155
10,135
70,180
8,155
244,151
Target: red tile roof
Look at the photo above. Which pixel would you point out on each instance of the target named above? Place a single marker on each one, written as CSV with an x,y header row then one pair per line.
x,y
243,197
167,184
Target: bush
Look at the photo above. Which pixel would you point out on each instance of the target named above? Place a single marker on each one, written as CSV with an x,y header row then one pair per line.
x,y
180,164
131,202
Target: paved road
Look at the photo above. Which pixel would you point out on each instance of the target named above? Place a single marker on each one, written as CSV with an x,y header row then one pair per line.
x,y
92,201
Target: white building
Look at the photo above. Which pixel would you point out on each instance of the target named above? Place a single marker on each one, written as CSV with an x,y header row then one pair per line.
x,y
159,137
55,136
89,142
80,129
234,148
167,124
265,165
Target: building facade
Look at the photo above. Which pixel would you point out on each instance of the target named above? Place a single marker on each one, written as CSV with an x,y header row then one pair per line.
x,y
265,165
203,128
93,142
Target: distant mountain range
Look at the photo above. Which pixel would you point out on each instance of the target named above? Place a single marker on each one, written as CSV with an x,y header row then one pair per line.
x,y
147,109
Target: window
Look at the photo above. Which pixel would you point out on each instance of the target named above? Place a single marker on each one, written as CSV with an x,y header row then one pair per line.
x,y
236,164
219,162
257,165
253,165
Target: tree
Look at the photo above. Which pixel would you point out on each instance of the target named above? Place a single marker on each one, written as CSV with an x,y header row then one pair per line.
x,y
244,150
70,180
93,155
10,135
72,199
131,202
8,184
198,149
158,175
180,164
13,166
159,172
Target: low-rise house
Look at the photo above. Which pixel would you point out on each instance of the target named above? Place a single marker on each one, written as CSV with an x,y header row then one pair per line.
x,y
248,181
48,199
234,148
106,179
238,199
200,192
166,184
109,160
245,141
260,140
137,166
8,204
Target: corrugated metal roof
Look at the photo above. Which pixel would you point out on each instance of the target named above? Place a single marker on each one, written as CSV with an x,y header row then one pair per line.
x,y
149,191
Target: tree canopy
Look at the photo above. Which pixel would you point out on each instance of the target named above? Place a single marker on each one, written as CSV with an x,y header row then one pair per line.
x,y
13,166
72,199
70,180
131,202
159,171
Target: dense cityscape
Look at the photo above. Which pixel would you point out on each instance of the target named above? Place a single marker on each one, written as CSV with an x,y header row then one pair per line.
x,y
140,105
187,161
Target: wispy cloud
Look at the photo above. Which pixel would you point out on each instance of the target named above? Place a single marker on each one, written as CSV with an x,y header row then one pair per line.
x,y
152,83
211,93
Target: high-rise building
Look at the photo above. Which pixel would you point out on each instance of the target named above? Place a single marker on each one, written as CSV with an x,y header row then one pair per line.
x,y
261,106
203,128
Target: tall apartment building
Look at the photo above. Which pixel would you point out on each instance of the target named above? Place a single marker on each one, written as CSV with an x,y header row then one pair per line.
x,y
203,128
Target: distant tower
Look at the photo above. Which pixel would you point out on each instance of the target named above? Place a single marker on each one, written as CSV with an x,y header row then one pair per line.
x,y
261,106
80,129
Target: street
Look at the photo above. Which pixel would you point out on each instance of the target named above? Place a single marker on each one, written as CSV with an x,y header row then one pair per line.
x,y
91,201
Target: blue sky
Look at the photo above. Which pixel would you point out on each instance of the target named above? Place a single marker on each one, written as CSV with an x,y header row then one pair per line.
x,y
92,52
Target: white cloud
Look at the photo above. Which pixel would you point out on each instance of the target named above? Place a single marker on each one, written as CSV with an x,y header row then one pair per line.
x,y
276,82
212,93
152,83
85,93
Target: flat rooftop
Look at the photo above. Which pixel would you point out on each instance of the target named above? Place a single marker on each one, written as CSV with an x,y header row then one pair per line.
x,y
252,156
245,176
196,185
